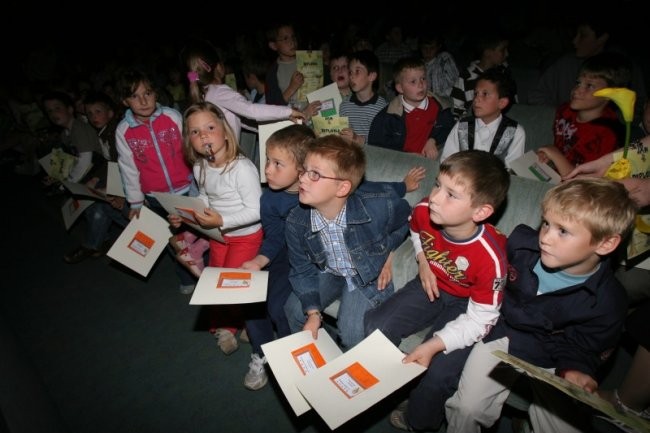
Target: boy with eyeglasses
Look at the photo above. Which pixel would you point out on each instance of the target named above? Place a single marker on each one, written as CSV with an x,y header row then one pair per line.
x,y
283,79
340,238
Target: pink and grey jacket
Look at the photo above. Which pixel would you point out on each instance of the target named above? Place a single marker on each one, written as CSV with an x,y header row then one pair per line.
x,y
150,155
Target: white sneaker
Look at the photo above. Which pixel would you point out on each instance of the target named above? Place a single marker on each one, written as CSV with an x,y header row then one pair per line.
x,y
256,377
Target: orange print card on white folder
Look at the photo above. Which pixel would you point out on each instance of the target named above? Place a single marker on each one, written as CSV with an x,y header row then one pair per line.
x,y
357,379
141,242
295,356
230,286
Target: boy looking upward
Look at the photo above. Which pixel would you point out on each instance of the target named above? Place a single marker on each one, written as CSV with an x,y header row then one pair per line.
x,y
462,270
340,238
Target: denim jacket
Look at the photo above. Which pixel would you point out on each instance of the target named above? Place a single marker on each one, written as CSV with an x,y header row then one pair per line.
x,y
377,223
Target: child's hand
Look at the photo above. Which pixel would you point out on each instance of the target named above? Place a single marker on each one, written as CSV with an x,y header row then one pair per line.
x,y
256,263
92,182
311,109
413,178
174,220
134,213
430,149
209,219
424,353
48,180
542,154
428,280
582,380
312,324
297,80
386,273
296,116
116,202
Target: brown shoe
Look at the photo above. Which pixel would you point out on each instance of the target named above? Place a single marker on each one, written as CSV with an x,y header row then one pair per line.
x,y
80,254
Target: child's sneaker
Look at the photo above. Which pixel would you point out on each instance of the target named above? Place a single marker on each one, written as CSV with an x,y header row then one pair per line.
x,y
256,377
226,341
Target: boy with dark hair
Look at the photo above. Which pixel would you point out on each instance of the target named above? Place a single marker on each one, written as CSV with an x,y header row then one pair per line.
x,y
459,286
364,104
563,310
77,137
487,127
101,113
413,121
339,239
587,127
492,51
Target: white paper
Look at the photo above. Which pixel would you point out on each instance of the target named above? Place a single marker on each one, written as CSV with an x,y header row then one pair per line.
x,y
338,396
285,354
141,242
171,203
330,98
83,190
232,290
264,132
114,180
528,166
72,208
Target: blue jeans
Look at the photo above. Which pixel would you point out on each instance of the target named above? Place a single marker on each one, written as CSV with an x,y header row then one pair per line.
x,y
351,311
100,216
268,318
410,311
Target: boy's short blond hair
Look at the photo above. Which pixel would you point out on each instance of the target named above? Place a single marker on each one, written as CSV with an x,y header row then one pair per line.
x,y
483,175
348,159
294,139
603,206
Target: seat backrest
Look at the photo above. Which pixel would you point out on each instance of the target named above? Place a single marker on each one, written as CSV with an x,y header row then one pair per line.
x,y
537,121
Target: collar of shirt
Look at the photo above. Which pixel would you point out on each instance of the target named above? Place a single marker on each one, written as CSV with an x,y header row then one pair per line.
x,y
319,222
492,126
408,107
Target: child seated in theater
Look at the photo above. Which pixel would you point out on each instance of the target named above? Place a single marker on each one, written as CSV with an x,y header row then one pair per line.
x,y
587,127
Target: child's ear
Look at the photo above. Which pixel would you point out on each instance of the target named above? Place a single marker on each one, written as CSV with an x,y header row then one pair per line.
x,y
398,88
372,76
482,212
344,189
608,245
503,103
273,46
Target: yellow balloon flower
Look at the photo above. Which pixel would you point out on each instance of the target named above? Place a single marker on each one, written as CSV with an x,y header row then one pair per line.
x,y
625,99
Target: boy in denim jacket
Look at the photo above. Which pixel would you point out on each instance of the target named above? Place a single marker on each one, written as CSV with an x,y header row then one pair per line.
x,y
340,239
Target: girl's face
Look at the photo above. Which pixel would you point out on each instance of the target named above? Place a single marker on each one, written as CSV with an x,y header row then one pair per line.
x,y
207,136
142,102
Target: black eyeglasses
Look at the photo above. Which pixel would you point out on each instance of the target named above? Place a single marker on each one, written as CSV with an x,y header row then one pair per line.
x,y
315,176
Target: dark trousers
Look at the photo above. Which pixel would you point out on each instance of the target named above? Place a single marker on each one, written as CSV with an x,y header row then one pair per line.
x,y
407,312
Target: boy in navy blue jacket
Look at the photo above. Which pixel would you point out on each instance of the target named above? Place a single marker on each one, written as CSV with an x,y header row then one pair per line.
x,y
563,310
